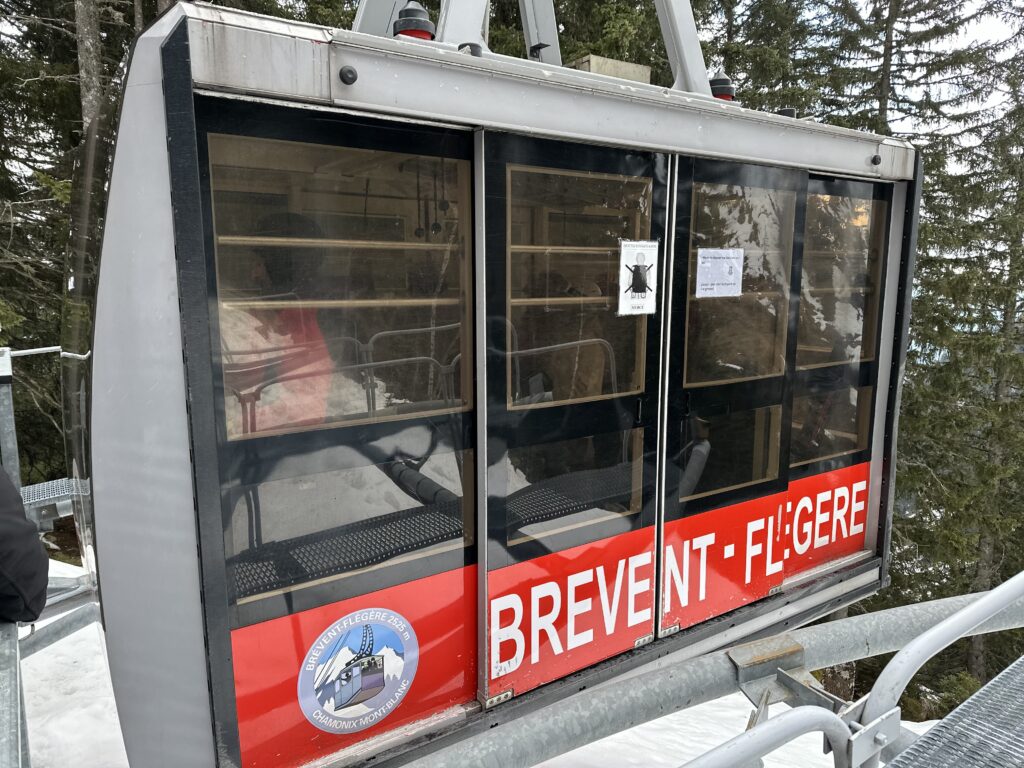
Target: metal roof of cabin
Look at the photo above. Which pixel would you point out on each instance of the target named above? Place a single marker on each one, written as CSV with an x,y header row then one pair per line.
x,y
246,55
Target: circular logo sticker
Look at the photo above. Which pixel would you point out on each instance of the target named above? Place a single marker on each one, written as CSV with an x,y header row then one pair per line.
x,y
358,671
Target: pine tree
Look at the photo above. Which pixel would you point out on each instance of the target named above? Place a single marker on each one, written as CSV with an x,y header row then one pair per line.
x,y
963,456
905,66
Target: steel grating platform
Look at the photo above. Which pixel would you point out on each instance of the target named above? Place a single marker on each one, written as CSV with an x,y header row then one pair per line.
x,y
986,731
46,502
42,494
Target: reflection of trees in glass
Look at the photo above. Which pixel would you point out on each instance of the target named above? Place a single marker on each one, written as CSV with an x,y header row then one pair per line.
x,y
828,423
741,337
841,251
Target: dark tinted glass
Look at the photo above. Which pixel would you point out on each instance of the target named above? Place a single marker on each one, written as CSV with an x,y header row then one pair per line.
x,y
573,484
726,451
312,529
342,277
342,280
740,336
566,342
843,244
830,423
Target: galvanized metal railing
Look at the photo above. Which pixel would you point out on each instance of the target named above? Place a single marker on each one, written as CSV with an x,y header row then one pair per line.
x,y
13,733
858,741
780,730
674,686
14,747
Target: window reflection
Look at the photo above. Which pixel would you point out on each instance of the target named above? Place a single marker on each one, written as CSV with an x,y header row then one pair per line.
x,y
843,243
341,277
571,484
830,423
565,342
724,451
743,337
351,520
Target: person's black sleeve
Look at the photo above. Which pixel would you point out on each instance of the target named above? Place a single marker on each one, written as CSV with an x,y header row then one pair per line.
x,y
23,560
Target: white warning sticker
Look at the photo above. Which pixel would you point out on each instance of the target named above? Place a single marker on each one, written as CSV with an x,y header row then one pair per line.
x,y
719,272
638,277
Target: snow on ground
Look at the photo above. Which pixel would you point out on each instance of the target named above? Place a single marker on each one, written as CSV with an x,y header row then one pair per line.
x,y
73,720
71,714
671,741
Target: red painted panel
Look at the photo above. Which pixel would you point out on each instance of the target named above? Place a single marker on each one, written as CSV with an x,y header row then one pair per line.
x,y
559,613
723,559
437,639
549,617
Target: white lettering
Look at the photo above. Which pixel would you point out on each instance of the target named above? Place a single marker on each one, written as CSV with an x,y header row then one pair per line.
x,y
544,621
500,634
772,566
637,587
676,577
576,608
821,518
702,543
857,506
610,610
801,546
842,494
752,549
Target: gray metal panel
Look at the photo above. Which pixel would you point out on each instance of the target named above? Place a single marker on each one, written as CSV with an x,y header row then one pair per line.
x,y
145,521
884,360
463,21
239,52
255,61
375,17
12,711
540,29
569,104
679,30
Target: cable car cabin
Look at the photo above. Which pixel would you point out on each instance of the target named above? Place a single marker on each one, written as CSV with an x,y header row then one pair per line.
x,y
431,386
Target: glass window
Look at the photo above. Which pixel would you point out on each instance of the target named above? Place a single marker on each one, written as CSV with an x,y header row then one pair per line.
x,y
570,484
740,337
830,423
843,244
565,342
342,276
726,451
314,528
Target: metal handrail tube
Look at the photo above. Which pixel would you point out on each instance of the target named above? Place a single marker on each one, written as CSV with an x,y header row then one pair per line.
x,y
47,351
886,692
10,697
36,351
603,343
46,635
744,749
669,685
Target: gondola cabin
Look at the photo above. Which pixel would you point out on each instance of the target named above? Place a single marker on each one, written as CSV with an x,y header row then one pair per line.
x,y
430,386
